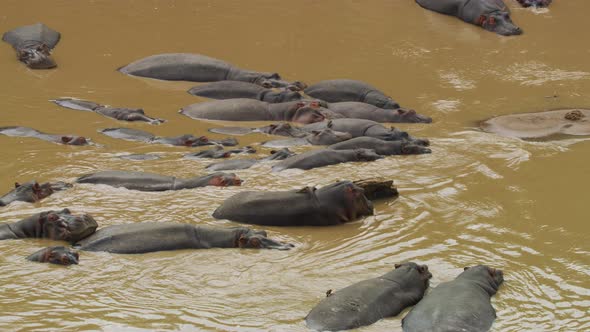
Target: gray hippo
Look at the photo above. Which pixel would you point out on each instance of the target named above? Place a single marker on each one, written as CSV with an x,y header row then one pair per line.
x,y
155,182
492,15
235,89
55,255
368,301
117,113
241,109
16,131
140,157
334,204
317,137
278,129
381,147
358,110
218,152
199,68
33,45
247,163
325,157
534,3
459,305
32,191
339,90
137,135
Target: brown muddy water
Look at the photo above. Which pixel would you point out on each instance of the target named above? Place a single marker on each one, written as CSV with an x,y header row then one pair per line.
x,y
478,198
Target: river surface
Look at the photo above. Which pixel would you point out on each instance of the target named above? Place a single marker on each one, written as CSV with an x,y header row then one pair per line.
x,y
520,206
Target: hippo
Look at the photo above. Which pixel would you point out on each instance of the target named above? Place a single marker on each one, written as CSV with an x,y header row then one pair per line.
x,y
236,89
117,113
17,131
140,157
32,191
279,129
241,109
317,137
33,45
55,255
55,225
377,189
325,157
534,3
541,124
218,152
370,300
200,68
340,90
155,182
492,15
381,147
358,110
334,204
137,135
247,163
462,304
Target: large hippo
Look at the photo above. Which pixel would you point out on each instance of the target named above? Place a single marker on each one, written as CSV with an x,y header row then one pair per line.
x,y
492,15
334,204
358,110
318,137
241,109
381,147
32,191
459,305
368,301
117,113
182,140
339,90
325,157
247,163
55,225
218,152
16,131
235,89
535,3
33,45
199,68
155,182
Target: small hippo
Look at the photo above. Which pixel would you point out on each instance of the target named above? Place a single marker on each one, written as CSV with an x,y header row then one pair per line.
x,y
247,163
459,305
235,89
325,157
33,45
32,191
534,3
218,152
317,137
381,147
358,110
339,90
137,135
55,255
117,113
333,204
368,301
492,15
15,131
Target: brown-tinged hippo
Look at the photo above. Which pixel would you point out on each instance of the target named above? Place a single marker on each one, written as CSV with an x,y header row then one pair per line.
x,y
247,163
156,182
340,90
55,255
325,157
541,124
218,152
492,15
381,147
17,131
334,204
317,137
33,45
55,225
358,110
199,68
117,113
459,305
368,301
32,191
534,3
235,89
137,135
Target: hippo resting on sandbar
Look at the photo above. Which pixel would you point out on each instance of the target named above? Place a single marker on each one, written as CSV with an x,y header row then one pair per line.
x,y
247,163
535,3
33,45
317,137
235,89
334,204
339,90
182,140
325,157
254,110
368,301
358,110
459,305
541,124
15,131
492,15
117,113
155,182
199,68
32,191
381,147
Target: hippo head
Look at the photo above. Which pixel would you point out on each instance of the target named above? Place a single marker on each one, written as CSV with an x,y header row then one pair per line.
x,y
190,140
248,238
497,19
412,148
410,116
73,140
37,56
280,154
327,137
366,155
488,278
32,191
224,180
421,270
64,226
297,86
534,3
347,195
307,115
55,255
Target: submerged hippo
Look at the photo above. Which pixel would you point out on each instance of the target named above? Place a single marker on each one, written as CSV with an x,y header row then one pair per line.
x,y
137,135
254,110
540,124
333,204
198,68
33,45
235,89
325,157
535,3
155,182
492,15
15,131
339,90
317,137
247,163
218,152
117,113
368,301
55,255
459,305
358,110
32,191
381,147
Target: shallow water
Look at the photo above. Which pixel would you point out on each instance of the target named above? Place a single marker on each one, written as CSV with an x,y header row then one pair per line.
x,y
479,198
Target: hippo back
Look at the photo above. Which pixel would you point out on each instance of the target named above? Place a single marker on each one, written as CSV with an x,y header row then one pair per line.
x,y
179,67
339,90
228,90
230,110
131,180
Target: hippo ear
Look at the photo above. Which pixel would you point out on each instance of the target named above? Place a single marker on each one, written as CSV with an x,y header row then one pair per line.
x,y
65,139
330,124
16,184
36,187
397,265
466,268
315,132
